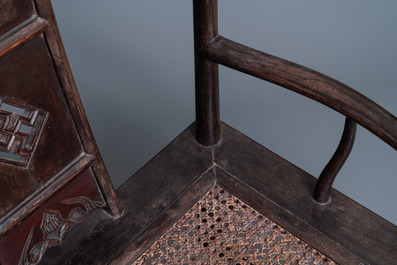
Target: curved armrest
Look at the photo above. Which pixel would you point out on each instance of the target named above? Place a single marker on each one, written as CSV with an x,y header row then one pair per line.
x,y
307,82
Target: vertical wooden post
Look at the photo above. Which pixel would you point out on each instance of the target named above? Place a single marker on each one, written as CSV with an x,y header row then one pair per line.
x,y
205,13
327,176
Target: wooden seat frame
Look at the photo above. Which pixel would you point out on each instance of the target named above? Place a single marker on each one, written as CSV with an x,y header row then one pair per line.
x,y
210,153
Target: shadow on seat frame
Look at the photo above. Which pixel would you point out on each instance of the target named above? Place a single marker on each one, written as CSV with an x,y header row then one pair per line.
x,y
210,152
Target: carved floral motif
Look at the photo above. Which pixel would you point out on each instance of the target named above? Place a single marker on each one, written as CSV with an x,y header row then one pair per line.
x,y
54,228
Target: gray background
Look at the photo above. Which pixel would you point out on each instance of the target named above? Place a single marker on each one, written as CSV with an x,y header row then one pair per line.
x,y
133,65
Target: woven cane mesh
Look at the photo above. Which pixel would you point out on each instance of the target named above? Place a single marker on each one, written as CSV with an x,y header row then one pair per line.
x,y
220,229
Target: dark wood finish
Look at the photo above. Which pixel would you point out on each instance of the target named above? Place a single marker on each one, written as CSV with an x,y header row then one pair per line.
x,y
66,79
307,82
206,73
153,199
48,156
13,13
173,180
27,31
342,229
11,245
43,193
59,144
173,213
327,176
60,161
54,228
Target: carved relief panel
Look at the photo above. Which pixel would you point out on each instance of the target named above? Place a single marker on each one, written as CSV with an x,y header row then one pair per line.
x,y
35,119
20,130
51,174
48,226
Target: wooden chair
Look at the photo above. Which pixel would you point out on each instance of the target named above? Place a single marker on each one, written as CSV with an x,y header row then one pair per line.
x,y
58,205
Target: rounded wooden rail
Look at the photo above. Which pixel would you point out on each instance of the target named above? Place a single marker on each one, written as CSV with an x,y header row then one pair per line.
x,y
212,49
356,107
307,82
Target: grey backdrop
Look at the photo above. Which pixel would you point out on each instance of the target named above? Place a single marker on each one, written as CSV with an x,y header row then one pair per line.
x,y
133,65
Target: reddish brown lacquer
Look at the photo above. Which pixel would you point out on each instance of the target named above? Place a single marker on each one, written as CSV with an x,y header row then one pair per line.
x,y
41,223
13,13
58,144
51,174
53,183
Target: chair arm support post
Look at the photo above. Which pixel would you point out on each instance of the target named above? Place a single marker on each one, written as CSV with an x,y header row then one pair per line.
x,y
327,176
206,73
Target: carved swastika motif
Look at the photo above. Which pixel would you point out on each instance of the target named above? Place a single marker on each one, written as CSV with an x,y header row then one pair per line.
x,y
20,129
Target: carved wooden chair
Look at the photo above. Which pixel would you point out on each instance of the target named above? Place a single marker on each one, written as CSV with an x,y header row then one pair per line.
x,y
58,205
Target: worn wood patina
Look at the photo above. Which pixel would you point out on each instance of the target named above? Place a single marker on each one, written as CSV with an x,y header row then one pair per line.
x,y
58,205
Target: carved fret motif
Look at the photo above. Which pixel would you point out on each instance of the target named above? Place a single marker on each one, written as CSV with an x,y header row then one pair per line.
x,y
20,129
54,228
